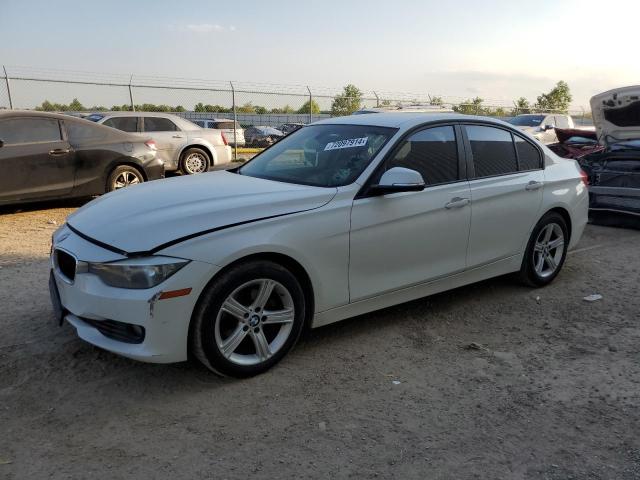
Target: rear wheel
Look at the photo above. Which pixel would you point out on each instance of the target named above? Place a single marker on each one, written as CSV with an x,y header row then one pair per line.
x,y
123,176
248,319
194,160
546,250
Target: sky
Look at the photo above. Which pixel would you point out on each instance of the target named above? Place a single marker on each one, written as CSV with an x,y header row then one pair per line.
x,y
498,50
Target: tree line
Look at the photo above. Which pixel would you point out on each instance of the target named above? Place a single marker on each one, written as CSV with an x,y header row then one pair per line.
x,y
348,101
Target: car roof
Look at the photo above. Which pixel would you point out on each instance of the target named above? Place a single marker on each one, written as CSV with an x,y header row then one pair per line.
x,y
36,113
405,120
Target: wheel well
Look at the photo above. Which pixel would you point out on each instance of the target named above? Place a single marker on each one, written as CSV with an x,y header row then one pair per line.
x,y
200,147
290,264
564,214
128,164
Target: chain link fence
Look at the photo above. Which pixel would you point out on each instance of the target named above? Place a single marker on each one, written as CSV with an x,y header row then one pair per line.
x,y
249,103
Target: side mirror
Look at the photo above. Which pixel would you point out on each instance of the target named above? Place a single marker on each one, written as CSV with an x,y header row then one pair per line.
x,y
398,179
547,127
1,144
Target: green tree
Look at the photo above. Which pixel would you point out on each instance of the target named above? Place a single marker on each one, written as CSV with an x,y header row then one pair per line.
x,y
260,110
246,108
75,106
347,102
558,99
198,107
436,101
521,106
470,107
179,108
315,108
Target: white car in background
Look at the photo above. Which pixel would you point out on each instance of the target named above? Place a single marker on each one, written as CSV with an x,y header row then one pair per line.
x,y
542,125
182,145
233,136
344,217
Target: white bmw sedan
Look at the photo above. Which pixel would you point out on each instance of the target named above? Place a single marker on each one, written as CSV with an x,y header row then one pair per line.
x,y
340,218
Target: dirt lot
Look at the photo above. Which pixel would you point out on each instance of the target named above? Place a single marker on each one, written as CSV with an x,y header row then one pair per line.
x,y
551,391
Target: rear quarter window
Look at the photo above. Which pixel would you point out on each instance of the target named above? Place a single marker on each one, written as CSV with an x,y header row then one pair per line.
x,y
528,156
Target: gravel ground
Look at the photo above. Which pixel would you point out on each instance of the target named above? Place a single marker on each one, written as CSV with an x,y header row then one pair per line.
x,y
493,380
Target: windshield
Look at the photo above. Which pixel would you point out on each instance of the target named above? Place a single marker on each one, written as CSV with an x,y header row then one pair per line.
x,y
94,117
526,120
320,155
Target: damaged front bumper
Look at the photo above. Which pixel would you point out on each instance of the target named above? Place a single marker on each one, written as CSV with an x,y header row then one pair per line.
x,y
135,323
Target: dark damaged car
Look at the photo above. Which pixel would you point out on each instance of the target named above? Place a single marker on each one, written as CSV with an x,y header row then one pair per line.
x,y
45,156
614,172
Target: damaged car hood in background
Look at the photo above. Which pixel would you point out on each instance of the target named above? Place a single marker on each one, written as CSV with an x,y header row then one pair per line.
x,y
616,114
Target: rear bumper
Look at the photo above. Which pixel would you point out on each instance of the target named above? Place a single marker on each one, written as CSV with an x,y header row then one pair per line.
x,y
154,170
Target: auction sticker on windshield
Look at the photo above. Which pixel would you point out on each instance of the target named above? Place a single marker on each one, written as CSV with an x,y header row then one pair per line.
x,y
349,143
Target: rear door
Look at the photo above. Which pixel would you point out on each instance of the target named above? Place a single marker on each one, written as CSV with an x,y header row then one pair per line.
x,y
506,181
168,137
35,161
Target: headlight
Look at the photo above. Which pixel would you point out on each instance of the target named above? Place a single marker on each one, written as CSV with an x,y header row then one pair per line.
x,y
144,272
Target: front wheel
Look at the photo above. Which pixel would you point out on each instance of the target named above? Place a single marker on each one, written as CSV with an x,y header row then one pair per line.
x,y
248,319
194,160
123,176
546,251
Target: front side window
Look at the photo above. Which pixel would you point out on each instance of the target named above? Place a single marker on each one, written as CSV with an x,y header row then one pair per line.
x,y
492,151
320,155
126,124
29,130
159,124
432,152
223,125
528,155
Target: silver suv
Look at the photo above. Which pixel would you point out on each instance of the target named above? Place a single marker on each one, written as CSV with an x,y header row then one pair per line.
x,y
182,145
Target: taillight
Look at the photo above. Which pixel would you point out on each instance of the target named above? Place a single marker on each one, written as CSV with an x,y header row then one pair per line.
x,y
224,139
584,177
151,144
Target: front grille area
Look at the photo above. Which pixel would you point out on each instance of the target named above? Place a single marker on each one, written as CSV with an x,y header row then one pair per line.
x,y
66,264
122,332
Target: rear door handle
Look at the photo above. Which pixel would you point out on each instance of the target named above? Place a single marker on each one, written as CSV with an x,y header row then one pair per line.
x,y
533,185
59,151
457,202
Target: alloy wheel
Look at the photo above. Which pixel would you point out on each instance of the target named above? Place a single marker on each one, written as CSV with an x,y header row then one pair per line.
x,y
548,250
125,179
195,163
254,322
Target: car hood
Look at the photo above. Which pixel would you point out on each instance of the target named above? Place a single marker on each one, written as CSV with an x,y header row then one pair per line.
x,y
616,114
146,217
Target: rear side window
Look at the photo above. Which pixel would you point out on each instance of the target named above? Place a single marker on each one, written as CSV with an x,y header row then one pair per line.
x,y
432,152
528,155
492,150
562,121
78,133
126,124
159,124
29,130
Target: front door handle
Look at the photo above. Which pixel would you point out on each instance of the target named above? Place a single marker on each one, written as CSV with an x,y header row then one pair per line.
x,y
457,202
533,185
59,151
177,136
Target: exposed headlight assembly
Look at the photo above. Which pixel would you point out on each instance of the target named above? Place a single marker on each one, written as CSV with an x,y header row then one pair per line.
x,y
137,273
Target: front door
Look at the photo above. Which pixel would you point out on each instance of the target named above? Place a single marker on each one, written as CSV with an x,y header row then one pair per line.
x,y
403,239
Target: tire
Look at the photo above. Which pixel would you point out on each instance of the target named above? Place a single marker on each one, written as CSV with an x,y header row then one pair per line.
x,y
123,176
230,333
193,161
546,251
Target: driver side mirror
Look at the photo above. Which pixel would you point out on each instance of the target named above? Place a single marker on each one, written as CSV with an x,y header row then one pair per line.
x,y
547,127
398,179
